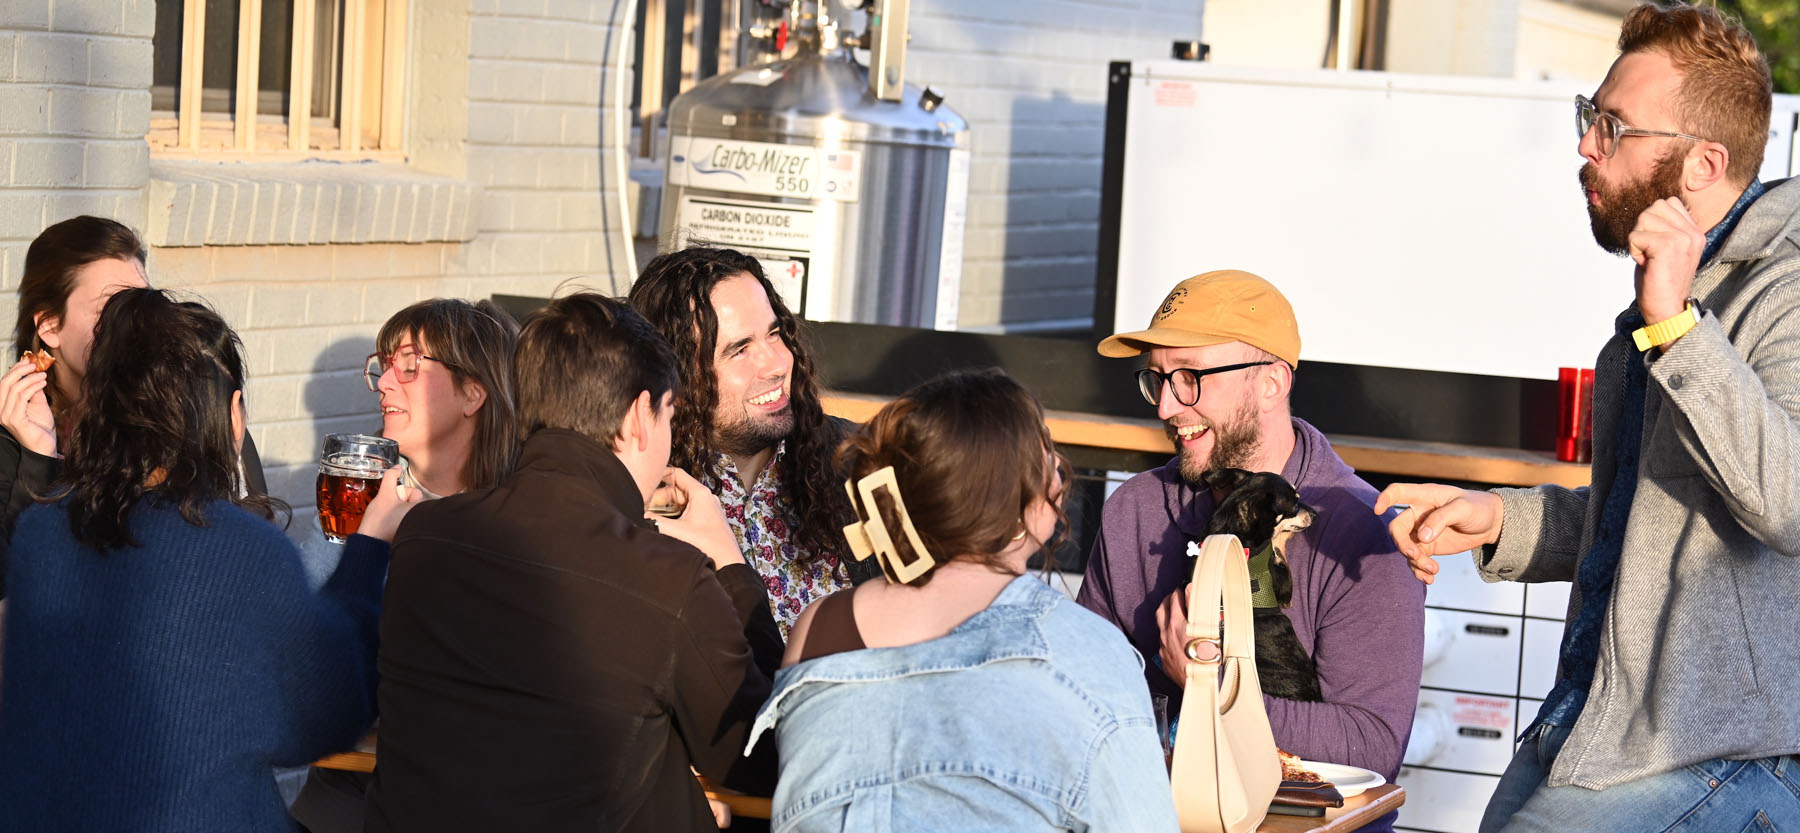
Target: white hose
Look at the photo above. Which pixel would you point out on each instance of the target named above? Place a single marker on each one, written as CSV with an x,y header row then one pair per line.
x,y
622,28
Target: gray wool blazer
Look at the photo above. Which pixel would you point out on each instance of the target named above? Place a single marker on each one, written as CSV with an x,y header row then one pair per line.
x,y
1700,650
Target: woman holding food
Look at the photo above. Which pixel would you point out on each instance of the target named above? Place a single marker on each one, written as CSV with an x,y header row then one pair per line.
x,y
164,649
70,271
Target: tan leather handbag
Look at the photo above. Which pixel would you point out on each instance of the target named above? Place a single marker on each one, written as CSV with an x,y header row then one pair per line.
x,y
1225,770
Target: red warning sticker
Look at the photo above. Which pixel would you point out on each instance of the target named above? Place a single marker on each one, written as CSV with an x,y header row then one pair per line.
x,y
1488,712
1175,94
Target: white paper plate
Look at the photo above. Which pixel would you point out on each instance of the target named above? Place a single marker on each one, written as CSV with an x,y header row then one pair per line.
x,y
1349,780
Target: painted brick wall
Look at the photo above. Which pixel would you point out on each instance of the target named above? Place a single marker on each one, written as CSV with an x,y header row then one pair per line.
x,y
536,72
1030,76
309,314
74,106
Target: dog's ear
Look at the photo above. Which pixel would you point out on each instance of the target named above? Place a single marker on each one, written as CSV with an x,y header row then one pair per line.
x,y
1225,480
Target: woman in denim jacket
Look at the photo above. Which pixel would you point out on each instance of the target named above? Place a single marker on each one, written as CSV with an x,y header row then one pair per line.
x,y
961,694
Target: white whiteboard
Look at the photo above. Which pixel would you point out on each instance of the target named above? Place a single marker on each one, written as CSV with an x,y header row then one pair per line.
x,y
1423,222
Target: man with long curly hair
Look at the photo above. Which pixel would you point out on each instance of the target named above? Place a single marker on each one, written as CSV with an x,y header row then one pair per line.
x,y
749,424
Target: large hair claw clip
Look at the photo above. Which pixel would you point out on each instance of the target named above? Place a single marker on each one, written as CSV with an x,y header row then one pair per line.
x,y
870,535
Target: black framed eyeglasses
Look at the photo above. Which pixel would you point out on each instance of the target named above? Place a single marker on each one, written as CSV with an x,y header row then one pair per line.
x,y
1186,381
404,364
1606,138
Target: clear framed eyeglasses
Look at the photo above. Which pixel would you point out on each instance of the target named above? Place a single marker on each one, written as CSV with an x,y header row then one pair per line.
x,y
405,365
1610,129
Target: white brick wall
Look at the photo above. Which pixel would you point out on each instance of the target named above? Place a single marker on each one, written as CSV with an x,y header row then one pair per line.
x,y
310,313
1030,76
535,82
74,108
74,104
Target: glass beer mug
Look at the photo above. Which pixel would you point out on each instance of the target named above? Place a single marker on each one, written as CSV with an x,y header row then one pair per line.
x,y
350,469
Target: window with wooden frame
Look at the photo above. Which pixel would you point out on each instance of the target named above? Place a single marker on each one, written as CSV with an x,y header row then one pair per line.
x,y
278,80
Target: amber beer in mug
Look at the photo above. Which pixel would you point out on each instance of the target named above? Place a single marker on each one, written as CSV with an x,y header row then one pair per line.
x,y
350,470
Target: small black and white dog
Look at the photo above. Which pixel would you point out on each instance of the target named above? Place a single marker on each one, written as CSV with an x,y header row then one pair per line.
x,y
1262,509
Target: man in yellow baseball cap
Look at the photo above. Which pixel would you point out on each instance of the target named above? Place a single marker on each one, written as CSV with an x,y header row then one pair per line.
x,y
1222,350
1229,331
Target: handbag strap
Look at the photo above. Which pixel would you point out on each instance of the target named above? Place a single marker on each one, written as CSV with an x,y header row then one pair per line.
x,y
1221,579
1208,777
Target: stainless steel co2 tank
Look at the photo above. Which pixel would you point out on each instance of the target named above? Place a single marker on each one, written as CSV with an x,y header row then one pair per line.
x,y
854,203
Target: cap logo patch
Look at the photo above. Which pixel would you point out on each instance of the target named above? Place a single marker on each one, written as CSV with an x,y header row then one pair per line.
x,y
1169,304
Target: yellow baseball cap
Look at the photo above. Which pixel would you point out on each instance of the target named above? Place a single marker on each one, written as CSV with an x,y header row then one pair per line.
x,y
1214,308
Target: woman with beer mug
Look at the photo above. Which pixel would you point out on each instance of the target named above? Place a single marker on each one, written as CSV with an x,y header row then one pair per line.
x,y
443,368
164,649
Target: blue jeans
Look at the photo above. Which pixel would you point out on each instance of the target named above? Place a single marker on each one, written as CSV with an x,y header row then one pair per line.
x,y
1716,796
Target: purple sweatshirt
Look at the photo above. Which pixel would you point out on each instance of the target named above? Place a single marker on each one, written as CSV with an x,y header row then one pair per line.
x,y
1357,607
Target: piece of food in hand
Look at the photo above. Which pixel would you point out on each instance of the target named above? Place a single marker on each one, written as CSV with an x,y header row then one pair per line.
x,y
667,500
1293,770
40,359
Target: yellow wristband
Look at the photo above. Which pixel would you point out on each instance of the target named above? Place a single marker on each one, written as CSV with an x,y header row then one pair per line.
x,y
1667,330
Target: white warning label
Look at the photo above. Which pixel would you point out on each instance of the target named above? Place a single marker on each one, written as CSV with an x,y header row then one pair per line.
x,y
781,236
741,225
787,273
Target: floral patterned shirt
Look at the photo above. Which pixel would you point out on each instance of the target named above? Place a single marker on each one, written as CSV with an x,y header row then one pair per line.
x,y
759,518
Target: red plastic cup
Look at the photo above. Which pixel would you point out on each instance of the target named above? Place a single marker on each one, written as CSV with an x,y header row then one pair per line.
x,y
1575,414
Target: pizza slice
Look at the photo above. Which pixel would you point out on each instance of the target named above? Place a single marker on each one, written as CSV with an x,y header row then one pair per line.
x,y
1293,770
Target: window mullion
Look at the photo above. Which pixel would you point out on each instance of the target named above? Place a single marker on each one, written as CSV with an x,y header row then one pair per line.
x,y
299,114
650,73
193,50
393,74
350,106
249,55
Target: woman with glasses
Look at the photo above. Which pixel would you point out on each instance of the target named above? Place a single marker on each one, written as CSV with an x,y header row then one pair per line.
x,y
961,694
443,370
164,649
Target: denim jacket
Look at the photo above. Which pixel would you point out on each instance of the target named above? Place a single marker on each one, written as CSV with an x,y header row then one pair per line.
x,y
1031,715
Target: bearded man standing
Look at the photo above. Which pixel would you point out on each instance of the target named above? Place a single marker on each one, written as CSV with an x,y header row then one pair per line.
x,y
1671,708
1222,349
750,426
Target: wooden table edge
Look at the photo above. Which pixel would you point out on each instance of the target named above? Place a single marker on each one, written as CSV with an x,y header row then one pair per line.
x,y
349,761
1358,811
746,806
1406,458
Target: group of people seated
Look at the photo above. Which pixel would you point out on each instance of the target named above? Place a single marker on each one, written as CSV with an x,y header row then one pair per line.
x,y
625,546
627,549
